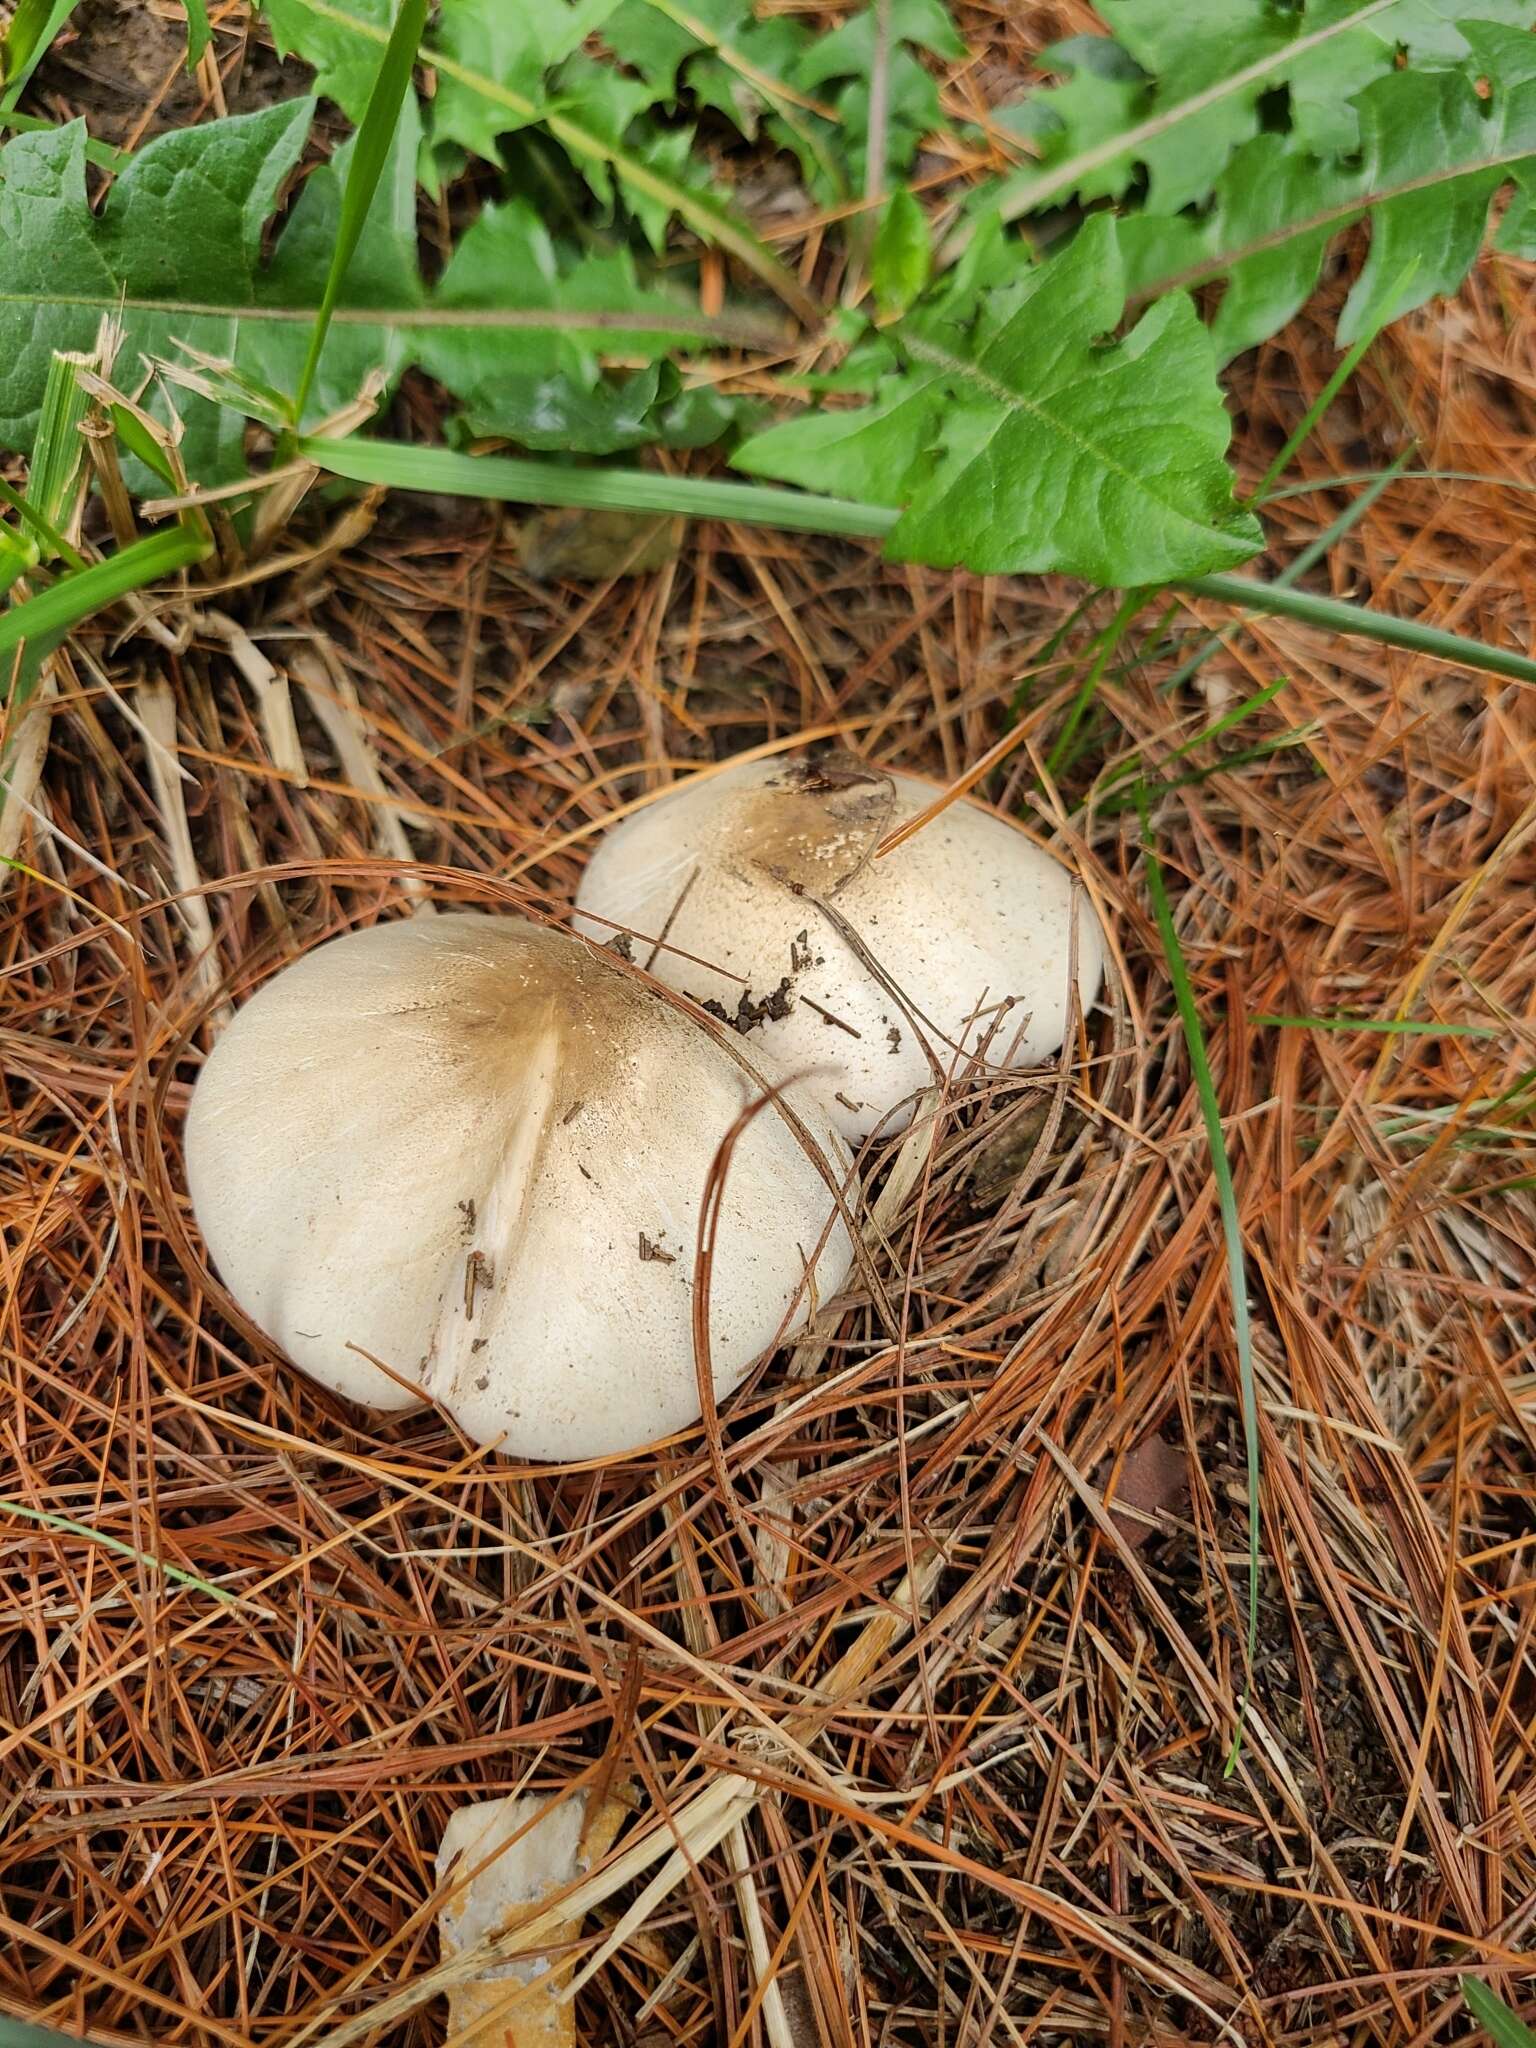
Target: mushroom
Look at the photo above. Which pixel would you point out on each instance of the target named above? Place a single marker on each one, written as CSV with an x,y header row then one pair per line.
x,y
504,1858
761,892
465,1158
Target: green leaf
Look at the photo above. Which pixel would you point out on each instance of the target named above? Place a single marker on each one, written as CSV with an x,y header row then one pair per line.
x,y
849,51
1028,444
1274,215
1189,45
550,385
1502,2027
371,149
1414,128
1324,81
342,44
1104,92
1199,103
657,44
911,112
513,45
1432,156
902,258
179,239
717,51
474,106
178,253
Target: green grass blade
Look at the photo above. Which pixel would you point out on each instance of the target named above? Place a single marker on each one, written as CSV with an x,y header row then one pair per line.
x,y
45,531
1406,1027
390,87
1491,2014
75,597
1088,690
1232,1234
521,482
1342,479
137,439
199,34
25,2034
1334,616
33,28
51,1520
1331,390
58,452
1131,770
638,490
101,154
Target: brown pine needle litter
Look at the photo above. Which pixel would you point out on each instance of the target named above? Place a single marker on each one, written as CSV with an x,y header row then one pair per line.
x,y
920,1664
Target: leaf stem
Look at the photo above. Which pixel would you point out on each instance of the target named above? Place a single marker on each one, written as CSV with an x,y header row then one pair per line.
x,y
1335,616
519,481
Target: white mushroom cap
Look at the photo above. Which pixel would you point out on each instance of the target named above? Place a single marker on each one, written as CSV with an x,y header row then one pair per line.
x,y
960,937
475,1151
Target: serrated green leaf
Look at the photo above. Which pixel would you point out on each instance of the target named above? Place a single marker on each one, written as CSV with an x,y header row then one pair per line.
x,y
1027,444
336,42
911,112
902,258
179,256
849,51
180,234
548,392
1432,155
657,44
1268,231
606,103
1104,92
1325,81
1200,106
517,46
342,39
745,68
1188,46
1416,126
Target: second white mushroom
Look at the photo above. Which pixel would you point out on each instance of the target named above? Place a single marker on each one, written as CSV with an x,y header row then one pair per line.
x,y
759,892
